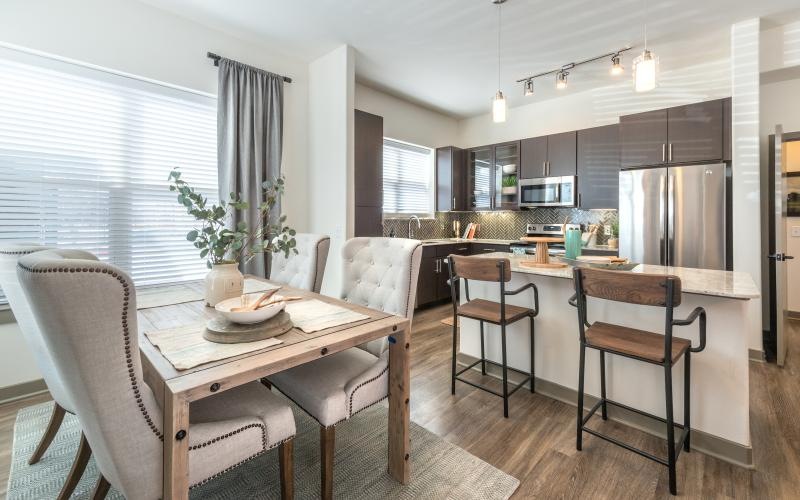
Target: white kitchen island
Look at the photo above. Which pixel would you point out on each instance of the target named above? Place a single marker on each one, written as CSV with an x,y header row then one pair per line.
x,y
720,379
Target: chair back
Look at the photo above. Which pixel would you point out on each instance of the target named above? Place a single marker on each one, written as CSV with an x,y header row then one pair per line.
x,y
381,273
305,269
86,310
633,288
481,268
10,254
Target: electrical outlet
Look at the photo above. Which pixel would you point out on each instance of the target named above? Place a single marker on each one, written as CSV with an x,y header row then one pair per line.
x,y
795,231
607,229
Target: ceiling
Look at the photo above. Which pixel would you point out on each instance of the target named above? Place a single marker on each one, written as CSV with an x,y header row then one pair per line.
x,y
442,54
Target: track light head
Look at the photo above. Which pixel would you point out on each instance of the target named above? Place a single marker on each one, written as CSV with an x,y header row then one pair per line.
x,y
529,87
616,65
561,80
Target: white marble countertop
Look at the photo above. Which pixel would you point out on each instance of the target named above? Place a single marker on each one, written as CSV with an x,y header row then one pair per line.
x,y
450,241
729,284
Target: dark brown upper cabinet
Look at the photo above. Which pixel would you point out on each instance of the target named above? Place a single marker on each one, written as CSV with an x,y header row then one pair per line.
x,y
451,179
598,167
682,134
549,156
368,174
643,138
695,132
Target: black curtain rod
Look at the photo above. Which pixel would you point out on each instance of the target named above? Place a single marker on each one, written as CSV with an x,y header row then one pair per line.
x,y
216,59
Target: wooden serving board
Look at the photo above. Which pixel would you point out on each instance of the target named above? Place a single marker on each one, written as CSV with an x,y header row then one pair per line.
x,y
549,265
222,331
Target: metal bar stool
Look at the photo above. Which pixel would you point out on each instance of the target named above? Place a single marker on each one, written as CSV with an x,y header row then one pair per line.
x,y
486,311
665,350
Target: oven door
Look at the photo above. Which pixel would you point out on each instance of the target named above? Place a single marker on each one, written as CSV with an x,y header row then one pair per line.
x,y
547,192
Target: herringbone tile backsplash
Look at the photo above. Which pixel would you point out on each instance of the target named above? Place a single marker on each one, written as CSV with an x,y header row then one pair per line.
x,y
498,225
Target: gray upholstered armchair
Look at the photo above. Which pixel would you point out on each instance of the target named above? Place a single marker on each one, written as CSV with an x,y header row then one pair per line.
x,y
305,269
10,253
380,273
86,311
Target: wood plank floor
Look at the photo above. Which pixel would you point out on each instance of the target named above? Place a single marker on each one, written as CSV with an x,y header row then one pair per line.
x,y
537,444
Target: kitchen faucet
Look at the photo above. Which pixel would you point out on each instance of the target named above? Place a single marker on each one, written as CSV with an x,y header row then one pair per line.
x,y
410,232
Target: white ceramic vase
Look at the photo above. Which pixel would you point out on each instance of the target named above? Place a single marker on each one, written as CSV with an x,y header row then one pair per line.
x,y
224,281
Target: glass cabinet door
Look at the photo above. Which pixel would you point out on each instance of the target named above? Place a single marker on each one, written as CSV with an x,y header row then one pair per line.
x,y
504,176
482,179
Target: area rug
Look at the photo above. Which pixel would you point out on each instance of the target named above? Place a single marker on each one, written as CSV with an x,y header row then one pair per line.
x,y
440,470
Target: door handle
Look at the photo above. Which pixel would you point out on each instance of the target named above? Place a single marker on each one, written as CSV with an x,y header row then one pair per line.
x,y
780,257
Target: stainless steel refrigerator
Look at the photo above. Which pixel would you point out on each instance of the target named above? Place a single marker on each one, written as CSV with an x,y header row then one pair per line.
x,y
674,216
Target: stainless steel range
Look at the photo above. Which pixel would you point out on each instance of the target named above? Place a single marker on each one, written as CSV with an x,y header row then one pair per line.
x,y
555,230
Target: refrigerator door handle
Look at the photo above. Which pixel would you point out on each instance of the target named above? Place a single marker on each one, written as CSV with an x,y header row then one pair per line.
x,y
670,219
662,220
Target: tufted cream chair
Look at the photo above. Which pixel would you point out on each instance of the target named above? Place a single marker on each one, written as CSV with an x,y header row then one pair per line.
x,y
10,253
305,269
87,314
380,273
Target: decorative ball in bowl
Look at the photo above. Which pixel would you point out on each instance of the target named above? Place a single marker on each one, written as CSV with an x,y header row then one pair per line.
x,y
236,309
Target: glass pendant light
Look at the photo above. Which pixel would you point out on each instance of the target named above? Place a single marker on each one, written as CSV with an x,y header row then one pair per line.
x,y
645,67
499,106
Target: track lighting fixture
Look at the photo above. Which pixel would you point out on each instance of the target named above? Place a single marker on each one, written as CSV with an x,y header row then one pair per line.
x,y
528,87
562,72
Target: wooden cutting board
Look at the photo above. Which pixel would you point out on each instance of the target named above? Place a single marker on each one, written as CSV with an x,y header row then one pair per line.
x,y
222,331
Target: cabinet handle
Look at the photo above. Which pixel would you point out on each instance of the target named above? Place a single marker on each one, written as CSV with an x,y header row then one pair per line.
x,y
454,203
436,267
544,168
579,200
670,152
663,153
548,168
463,249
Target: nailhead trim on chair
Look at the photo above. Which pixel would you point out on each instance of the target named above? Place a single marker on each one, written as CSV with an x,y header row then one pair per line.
x,y
125,333
264,436
362,384
204,481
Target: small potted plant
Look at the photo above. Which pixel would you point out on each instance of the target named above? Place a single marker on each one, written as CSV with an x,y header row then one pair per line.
x,y
613,241
224,248
509,185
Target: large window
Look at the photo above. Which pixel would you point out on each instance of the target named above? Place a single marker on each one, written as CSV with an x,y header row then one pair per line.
x,y
84,160
407,178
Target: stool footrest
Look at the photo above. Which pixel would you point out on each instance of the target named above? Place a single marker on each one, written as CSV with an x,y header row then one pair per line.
x,y
500,394
678,445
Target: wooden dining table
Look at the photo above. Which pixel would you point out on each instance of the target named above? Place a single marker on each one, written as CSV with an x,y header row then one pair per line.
x,y
175,390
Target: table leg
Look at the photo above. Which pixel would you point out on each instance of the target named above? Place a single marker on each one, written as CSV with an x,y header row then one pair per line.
x,y
176,446
399,392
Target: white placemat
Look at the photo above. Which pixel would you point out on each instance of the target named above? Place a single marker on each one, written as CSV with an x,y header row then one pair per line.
x,y
313,315
186,348
158,296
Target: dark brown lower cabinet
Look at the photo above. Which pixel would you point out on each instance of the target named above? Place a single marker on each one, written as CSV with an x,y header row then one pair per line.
x,y
479,248
433,285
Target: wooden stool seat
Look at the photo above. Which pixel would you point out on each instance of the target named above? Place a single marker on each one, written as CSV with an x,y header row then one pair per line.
x,y
632,342
487,310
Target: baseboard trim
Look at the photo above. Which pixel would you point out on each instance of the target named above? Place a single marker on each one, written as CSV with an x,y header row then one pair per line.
x,y
756,355
21,391
723,449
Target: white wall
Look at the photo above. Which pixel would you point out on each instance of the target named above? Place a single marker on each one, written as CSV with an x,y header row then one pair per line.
x,y
330,190
600,106
407,122
141,40
137,39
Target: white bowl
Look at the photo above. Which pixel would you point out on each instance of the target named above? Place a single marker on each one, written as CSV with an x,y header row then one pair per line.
x,y
510,168
248,317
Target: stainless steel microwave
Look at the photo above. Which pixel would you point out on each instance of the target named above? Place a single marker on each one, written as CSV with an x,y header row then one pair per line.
x,y
547,192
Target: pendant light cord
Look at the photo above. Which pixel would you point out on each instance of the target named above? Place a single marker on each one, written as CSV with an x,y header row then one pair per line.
x,y
644,2
499,25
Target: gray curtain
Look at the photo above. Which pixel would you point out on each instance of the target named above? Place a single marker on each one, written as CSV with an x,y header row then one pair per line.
x,y
249,140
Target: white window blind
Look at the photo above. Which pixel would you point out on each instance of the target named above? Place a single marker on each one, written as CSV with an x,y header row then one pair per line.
x,y
407,178
84,161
